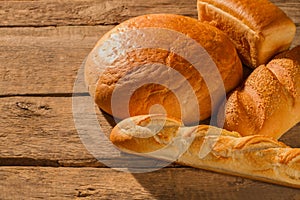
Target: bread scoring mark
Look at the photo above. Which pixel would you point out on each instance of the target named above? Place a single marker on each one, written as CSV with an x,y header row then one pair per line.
x,y
178,145
148,126
258,142
290,162
230,24
286,75
290,156
173,139
241,22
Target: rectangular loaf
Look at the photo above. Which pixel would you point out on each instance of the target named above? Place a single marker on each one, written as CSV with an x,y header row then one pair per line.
x,y
258,28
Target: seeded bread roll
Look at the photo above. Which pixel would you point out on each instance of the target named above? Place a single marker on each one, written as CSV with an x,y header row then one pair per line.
x,y
256,157
258,28
268,103
155,60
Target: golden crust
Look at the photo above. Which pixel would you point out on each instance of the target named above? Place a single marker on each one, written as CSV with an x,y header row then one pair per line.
x,y
259,29
257,157
136,134
259,15
103,77
268,103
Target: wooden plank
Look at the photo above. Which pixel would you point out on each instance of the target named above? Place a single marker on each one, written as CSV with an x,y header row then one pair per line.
x,y
296,40
41,131
58,13
93,12
93,183
44,60
290,7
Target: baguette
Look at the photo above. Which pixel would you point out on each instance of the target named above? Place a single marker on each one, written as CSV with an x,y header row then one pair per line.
x,y
258,28
269,101
256,157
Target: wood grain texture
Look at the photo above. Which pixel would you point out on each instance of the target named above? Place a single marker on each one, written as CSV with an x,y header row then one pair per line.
x,y
93,12
290,7
103,12
93,183
41,131
45,60
42,46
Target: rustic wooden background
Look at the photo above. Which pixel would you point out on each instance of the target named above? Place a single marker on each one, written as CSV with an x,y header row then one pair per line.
x,y
42,46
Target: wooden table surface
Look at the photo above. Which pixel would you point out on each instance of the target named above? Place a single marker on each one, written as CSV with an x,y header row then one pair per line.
x,y
42,46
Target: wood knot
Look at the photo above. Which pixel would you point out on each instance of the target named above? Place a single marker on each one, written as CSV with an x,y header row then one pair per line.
x,y
23,105
85,192
28,109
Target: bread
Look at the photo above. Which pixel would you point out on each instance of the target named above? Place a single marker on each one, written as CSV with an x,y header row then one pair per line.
x,y
268,103
257,157
151,64
258,28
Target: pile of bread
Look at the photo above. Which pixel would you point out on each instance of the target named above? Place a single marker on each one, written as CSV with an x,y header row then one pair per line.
x,y
144,72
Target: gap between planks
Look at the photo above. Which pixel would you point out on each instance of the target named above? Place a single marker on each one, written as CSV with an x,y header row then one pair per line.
x,y
46,95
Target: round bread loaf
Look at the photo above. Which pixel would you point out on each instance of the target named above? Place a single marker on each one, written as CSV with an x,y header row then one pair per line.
x,y
162,63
